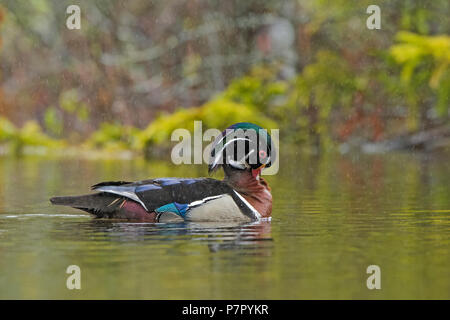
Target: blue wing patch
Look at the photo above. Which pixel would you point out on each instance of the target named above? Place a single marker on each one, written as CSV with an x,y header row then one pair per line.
x,y
175,207
163,182
147,187
171,181
168,181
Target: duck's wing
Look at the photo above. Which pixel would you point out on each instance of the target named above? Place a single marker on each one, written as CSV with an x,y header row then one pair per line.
x,y
152,194
189,199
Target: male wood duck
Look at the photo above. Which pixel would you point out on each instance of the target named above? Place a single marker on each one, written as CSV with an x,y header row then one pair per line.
x,y
243,195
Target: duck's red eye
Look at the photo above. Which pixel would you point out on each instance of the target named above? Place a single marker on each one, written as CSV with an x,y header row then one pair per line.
x,y
262,154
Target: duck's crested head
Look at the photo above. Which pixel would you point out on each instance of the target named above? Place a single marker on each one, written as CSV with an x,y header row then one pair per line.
x,y
242,146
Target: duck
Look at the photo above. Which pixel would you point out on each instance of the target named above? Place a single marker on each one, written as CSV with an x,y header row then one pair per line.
x,y
241,151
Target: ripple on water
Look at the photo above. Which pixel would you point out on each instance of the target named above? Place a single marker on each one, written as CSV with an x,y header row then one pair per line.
x,y
44,215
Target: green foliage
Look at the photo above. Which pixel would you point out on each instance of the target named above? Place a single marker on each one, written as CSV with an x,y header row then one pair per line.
x,y
414,51
346,75
260,89
158,132
218,113
70,102
327,83
425,63
30,135
53,122
323,85
7,130
113,137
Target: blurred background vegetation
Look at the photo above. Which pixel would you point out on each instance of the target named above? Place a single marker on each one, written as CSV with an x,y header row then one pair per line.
x,y
137,70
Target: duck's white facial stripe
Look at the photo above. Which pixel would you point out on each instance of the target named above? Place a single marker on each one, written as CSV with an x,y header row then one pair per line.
x,y
255,212
219,153
240,164
248,155
224,136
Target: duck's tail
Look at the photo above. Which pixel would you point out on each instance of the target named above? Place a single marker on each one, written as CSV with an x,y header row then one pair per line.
x,y
107,205
102,205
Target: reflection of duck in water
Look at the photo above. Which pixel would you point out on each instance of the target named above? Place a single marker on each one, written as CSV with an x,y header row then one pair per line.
x,y
237,238
242,150
217,236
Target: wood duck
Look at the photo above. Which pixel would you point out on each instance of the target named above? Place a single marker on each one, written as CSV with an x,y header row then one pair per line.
x,y
242,150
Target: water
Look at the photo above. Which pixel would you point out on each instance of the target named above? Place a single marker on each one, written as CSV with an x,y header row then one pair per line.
x,y
333,216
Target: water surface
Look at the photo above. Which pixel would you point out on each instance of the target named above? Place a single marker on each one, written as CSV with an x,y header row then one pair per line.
x,y
332,217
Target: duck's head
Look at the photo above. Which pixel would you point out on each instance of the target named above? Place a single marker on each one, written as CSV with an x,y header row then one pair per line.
x,y
242,147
